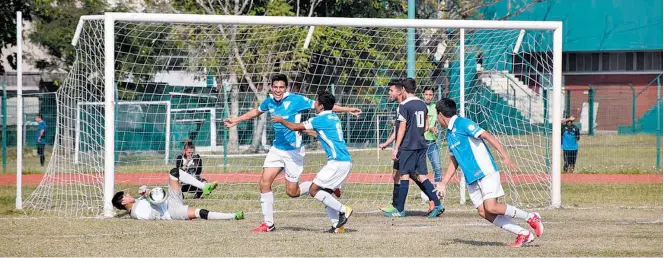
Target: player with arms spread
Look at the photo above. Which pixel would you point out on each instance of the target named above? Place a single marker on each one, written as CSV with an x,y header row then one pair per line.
x,y
286,153
173,208
469,151
327,126
410,150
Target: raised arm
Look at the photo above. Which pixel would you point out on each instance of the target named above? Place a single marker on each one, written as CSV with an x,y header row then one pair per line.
x,y
499,147
230,122
289,125
353,111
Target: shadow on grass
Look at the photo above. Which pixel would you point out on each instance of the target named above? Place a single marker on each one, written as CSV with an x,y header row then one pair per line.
x,y
477,243
316,230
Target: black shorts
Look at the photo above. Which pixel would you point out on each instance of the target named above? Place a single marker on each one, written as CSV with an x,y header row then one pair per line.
x,y
413,162
570,156
40,149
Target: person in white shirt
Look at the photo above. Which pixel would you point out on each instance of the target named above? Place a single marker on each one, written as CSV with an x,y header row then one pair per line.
x,y
173,208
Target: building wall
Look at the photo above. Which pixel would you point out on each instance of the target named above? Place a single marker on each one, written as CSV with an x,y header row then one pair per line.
x,y
595,25
614,96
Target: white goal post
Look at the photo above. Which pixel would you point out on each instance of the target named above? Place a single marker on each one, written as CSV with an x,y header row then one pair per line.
x,y
543,38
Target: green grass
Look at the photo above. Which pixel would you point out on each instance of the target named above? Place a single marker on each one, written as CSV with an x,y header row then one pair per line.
x,y
624,154
597,220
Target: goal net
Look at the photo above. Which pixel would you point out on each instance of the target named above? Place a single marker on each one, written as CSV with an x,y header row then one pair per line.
x,y
176,77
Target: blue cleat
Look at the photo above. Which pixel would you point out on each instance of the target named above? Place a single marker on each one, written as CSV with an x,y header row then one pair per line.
x,y
437,211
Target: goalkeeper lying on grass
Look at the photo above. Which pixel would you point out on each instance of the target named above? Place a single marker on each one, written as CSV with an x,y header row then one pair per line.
x,y
159,205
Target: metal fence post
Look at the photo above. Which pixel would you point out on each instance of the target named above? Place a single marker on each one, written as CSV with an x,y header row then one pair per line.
x,y
591,110
4,124
659,125
568,103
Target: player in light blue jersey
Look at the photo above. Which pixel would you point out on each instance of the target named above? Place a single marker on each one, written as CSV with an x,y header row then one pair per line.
x,y
469,151
327,126
286,153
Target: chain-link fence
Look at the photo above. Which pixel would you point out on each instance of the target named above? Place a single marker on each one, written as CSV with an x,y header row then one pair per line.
x,y
621,132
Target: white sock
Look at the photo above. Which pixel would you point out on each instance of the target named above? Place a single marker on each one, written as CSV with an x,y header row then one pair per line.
x,y
507,224
424,196
267,206
215,215
220,215
333,215
329,201
304,187
190,180
513,212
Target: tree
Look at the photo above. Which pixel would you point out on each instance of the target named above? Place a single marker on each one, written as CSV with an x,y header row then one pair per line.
x,y
8,9
241,55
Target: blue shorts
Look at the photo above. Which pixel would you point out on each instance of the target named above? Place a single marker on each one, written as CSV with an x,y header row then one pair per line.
x,y
413,162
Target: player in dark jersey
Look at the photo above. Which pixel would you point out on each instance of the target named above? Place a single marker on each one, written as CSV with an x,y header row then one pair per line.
x,y
410,150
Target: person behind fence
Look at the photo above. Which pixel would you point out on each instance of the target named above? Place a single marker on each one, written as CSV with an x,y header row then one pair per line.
x,y
570,143
431,137
190,162
41,138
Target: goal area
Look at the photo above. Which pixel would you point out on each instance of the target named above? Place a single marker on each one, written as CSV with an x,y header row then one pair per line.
x,y
142,84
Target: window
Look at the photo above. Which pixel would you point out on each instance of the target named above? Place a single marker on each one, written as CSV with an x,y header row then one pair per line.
x,y
571,65
613,62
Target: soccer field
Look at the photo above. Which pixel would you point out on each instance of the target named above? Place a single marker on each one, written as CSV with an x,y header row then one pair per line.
x,y
597,220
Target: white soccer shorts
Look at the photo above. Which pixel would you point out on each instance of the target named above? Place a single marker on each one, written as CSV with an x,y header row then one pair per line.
x,y
488,187
333,174
176,207
292,161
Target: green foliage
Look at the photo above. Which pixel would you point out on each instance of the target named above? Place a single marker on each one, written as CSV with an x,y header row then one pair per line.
x,y
8,9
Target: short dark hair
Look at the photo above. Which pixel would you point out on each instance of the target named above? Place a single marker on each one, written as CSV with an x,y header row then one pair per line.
x,y
326,99
40,116
395,83
280,77
410,85
117,200
447,107
428,88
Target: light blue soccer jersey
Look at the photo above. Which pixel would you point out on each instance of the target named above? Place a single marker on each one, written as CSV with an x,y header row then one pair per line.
x,y
328,127
470,151
290,107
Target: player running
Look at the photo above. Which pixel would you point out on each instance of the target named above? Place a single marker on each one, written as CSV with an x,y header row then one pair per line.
x,y
173,208
410,151
327,126
286,153
469,151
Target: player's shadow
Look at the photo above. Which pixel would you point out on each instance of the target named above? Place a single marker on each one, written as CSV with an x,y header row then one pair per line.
x,y
416,213
477,243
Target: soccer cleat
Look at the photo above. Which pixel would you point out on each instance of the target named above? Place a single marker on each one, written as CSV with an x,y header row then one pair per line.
x,y
344,216
535,222
395,213
431,206
208,188
389,208
437,211
522,239
336,230
239,215
337,192
263,227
